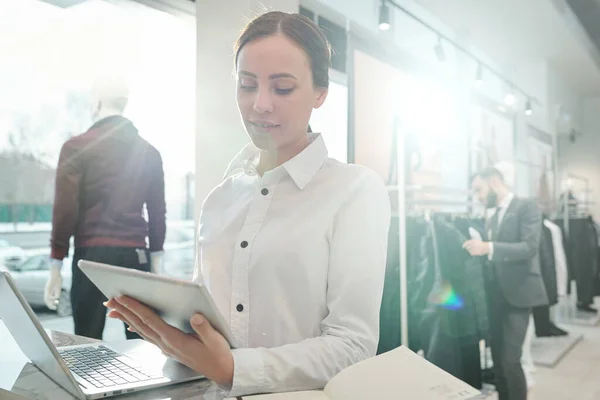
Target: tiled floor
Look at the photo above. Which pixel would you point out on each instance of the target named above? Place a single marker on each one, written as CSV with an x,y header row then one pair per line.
x,y
576,376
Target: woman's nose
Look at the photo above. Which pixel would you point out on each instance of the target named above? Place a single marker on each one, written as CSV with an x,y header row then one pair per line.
x,y
263,102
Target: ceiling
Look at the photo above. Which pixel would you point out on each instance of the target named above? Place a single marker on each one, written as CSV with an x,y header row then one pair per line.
x,y
519,31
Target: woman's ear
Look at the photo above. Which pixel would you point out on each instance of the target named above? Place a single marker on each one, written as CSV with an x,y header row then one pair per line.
x,y
321,95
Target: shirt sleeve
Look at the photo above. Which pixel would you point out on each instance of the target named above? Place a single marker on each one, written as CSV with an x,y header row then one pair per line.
x,y
491,253
65,211
350,331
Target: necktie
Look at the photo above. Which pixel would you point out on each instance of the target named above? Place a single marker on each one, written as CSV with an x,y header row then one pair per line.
x,y
494,224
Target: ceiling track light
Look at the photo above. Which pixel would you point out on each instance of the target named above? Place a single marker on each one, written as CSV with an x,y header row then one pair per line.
x,y
384,16
528,109
439,50
384,24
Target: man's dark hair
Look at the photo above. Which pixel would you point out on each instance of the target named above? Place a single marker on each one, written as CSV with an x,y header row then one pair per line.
x,y
487,173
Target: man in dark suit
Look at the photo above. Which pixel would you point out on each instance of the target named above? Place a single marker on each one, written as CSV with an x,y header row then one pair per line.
x,y
513,278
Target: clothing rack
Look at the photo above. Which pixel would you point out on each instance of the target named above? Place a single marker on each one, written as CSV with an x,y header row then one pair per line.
x,y
424,207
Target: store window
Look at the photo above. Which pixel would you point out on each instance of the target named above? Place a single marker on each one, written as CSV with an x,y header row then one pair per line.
x,y
331,120
51,54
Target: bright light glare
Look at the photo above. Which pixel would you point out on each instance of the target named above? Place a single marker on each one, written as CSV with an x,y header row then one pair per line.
x,y
510,99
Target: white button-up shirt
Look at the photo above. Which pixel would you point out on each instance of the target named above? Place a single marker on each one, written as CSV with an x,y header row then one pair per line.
x,y
295,261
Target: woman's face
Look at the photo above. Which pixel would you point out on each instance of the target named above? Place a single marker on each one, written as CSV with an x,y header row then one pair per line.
x,y
275,92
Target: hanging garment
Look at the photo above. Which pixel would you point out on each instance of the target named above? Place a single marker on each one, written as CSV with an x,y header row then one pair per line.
x,y
582,257
420,280
547,265
455,313
421,275
389,316
560,259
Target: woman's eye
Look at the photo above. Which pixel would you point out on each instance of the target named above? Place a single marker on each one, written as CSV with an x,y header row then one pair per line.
x,y
283,91
247,84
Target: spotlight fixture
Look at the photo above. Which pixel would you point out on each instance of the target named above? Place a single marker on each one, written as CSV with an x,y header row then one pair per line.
x,y
491,73
528,109
479,76
439,50
384,16
510,98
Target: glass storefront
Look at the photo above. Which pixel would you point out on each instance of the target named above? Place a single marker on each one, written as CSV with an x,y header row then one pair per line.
x,y
53,52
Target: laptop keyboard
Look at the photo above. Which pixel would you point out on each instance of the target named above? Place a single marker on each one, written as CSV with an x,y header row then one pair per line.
x,y
103,367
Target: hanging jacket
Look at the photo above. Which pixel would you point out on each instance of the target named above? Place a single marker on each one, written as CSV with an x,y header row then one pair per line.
x,y
548,265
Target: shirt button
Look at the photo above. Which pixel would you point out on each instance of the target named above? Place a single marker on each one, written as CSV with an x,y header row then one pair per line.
x,y
265,192
240,307
244,244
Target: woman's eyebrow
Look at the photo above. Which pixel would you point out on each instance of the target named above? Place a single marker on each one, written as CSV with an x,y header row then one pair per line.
x,y
273,76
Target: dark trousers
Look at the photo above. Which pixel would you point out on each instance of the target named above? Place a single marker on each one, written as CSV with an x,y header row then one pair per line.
x,y
508,326
541,318
89,314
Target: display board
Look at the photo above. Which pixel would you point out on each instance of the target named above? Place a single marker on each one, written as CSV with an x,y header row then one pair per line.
x,y
420,115
540,157
492,141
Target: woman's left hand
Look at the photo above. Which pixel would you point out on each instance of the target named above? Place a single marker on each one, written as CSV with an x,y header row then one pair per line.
x,y
207,352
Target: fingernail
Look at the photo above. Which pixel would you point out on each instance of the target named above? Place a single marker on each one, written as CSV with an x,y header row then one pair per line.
x,y
197,319
105,304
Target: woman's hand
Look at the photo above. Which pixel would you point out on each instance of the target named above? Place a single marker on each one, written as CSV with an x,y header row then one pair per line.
x,y
206,351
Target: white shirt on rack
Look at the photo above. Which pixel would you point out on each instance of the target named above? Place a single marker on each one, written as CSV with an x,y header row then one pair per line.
x,y
295,261
560,259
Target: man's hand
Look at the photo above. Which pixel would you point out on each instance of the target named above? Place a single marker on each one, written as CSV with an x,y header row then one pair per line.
x,y
53,285
206,351
156,262
477,247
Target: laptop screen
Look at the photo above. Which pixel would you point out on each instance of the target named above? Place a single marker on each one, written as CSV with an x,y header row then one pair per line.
x,y
28,333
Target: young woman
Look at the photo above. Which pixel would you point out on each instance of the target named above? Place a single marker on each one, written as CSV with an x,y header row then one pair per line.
x,y
292,244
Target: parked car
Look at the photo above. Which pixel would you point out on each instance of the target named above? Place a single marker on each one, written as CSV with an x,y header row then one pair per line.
x,y
32,273
10,256
31,276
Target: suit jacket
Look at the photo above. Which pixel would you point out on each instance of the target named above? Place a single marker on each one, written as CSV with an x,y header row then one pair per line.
x,y
515,262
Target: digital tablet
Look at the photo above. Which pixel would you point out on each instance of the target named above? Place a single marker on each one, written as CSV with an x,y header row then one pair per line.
x,y
175,300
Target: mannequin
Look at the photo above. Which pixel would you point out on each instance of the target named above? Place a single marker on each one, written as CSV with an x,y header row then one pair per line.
x,y
110,134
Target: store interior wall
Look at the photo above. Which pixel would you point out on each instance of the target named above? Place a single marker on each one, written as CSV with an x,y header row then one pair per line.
x,y
578,154
555,98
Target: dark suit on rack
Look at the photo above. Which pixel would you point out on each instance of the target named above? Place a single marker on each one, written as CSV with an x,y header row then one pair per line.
x,y
514,284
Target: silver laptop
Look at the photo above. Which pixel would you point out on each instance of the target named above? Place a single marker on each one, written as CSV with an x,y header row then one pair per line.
x,y
89,371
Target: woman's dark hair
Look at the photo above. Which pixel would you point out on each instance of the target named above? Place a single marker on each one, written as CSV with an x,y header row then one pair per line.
x,y
297,28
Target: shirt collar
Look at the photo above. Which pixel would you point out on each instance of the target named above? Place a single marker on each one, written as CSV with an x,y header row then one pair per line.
x,y
305,165
302,168
506,202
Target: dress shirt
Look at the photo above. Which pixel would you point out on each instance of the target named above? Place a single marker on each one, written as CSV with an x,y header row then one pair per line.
x,y
501,209
560,259
295,260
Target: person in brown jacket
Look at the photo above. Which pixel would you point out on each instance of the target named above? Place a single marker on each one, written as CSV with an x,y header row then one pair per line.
x,y
104,180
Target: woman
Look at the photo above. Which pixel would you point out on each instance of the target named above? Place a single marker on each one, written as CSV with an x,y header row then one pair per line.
x,y
292,244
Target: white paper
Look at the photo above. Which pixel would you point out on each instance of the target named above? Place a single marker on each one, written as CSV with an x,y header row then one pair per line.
x,y
474,234
397,374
